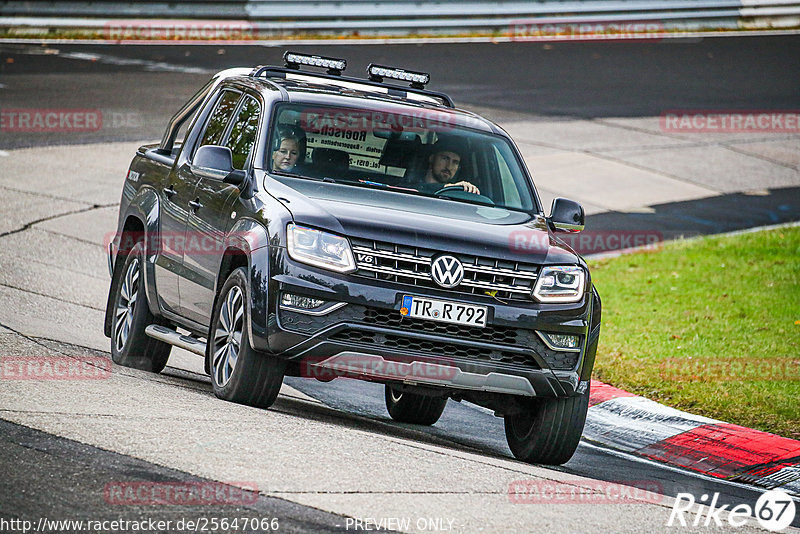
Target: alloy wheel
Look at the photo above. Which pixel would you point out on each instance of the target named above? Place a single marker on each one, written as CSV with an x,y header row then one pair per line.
x,y
228,336
126,304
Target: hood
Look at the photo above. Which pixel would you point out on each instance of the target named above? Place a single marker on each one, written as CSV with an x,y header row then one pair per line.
x,y
418,221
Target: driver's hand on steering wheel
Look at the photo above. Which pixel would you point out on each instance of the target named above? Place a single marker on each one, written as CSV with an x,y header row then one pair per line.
x,y
468,187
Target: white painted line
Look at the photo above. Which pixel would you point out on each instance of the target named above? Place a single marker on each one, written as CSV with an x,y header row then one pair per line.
x,y
153,66
383,40
3,154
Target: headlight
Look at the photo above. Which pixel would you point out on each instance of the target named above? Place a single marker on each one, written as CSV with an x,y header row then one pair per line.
x,y
559,284
320,249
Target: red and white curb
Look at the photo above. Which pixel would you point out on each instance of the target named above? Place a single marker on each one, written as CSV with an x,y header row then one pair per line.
x,y
629,423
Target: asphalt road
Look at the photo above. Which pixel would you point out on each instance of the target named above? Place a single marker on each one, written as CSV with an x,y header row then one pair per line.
x,y
38,466
476,428
600,91
137,87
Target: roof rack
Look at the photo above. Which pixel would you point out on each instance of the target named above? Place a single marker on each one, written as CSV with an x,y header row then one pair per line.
x,y
334,68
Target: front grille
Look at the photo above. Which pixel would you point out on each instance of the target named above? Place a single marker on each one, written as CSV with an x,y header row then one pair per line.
x,y
505,280
489,333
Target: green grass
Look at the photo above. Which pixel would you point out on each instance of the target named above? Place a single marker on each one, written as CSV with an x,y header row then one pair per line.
x,y
710,326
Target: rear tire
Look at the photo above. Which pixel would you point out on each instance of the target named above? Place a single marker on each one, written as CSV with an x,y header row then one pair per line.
x,y
130,346
413,408
238,372
549,430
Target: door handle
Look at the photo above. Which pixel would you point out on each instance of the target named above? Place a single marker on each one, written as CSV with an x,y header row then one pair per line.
x,y
195,204
169,191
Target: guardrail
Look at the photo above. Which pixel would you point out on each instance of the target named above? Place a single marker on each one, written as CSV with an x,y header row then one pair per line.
x,y
265,18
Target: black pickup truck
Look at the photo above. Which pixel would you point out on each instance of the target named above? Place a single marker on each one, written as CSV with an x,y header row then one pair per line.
x,y
320,225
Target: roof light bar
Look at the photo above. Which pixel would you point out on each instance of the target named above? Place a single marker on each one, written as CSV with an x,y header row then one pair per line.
x,y
418,80
334,65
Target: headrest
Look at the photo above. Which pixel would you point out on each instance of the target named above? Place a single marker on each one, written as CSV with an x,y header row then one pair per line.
x,y
399,152
448,144
330,159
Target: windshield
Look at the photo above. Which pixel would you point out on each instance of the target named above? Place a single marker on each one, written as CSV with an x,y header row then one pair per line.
x,y
422,154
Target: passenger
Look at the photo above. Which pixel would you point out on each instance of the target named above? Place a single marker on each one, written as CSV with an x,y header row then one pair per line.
x,y
443,165
285,156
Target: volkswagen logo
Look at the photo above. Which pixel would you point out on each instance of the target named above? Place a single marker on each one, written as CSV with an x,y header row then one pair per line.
x,y
447,271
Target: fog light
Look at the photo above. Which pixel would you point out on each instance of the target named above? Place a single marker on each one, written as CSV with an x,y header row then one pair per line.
x,y
291,300
308,305
566,342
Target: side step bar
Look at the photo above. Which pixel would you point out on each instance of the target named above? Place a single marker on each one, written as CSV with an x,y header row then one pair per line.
x,y
167,335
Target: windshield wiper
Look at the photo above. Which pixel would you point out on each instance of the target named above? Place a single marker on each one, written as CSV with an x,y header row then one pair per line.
x,y
379,185
304,176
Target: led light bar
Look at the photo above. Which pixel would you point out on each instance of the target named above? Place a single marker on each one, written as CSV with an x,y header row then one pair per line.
x,y
418,80
334,65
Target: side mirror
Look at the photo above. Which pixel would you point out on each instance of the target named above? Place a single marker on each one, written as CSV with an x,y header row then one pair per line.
x,y
236,178
243,181
566,215
213,161
216,162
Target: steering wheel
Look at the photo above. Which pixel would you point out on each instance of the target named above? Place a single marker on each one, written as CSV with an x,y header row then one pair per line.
x,y
458,192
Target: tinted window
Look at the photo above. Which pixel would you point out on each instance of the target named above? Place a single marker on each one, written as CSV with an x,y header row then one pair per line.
x,y
243,134
219,118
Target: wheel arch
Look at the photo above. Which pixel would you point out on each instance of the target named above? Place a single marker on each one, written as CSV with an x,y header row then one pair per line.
x,y
594,336
141,219
130,231
246,246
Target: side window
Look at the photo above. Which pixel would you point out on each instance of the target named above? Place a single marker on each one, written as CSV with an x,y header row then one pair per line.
x,y
243,134
183,131
220,118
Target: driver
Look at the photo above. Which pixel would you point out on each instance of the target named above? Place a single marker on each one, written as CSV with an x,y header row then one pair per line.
x,y
443,164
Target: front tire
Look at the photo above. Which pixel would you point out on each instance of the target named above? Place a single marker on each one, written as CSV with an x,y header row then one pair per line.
x,y
548,430
130,346
412,408
238,372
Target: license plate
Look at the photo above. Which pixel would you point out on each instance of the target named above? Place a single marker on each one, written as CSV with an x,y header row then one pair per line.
x,y
444,311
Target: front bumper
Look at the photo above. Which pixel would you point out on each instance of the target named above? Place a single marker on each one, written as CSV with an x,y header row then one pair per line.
x,y
368,338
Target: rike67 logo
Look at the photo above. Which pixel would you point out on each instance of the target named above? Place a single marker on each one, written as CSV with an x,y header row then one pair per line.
x,y
774,510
